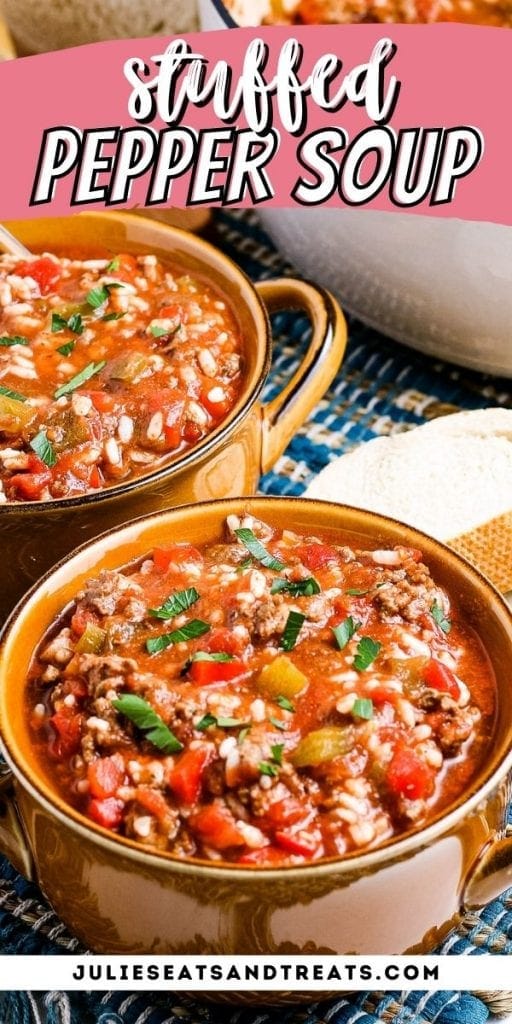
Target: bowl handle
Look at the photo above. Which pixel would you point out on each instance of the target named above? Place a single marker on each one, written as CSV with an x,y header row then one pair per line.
x,y
13,841
287,412
490,875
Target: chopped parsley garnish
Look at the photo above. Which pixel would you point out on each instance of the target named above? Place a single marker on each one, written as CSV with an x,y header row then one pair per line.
x,y
66,350
80,378
192,630
43,448
367,651
221,722
302,588
285,704
244,565
206,656
144,717
113,266
112,316
9,393
355,592
266,768
345,631
277,723
439,617
158,332
257,550
363,708
97,296
292,629
242,735
180,602
74,323
16,339
277,753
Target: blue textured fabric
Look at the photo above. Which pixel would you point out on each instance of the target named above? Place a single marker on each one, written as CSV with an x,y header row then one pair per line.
x,y
382,388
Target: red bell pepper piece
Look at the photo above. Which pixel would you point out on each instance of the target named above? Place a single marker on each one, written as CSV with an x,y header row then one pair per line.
x,y
222,641
186,777
216,827
283,813
299,845
68,728
316,556
440,677
108,813
153,801
44,271
205,672
105,776
30,485
176,554
409,776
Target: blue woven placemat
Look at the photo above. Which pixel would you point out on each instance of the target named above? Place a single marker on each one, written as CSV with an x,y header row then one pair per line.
x,y
382,388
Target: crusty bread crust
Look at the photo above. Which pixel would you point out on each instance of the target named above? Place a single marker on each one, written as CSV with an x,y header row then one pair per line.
x,y
489,548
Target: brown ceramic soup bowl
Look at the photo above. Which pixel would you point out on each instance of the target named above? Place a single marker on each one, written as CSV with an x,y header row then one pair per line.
x,y
225,463
403,896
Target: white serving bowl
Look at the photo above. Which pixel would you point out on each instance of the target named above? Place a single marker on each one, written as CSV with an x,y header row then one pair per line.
x,y
441,285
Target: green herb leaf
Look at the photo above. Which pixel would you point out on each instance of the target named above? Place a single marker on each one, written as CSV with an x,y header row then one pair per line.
x,y
76,324
16,339
144,717
205,723
292,629
244,565
345,631
439,617
277,753
66,350
180,602
257,550
218,656
113,266
367,651
230,723
242,735
112,316
355,592
12,394
159,332
363,708
266,768
278,723
43,448
302,588
80,378
97,296
59,323
284,703
192,630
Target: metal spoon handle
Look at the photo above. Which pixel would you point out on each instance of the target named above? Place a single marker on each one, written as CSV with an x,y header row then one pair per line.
x,y
10,244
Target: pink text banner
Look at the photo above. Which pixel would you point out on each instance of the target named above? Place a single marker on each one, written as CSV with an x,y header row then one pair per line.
x,y
374,116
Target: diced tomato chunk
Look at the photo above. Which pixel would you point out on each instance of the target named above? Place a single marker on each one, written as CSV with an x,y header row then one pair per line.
x,y
44,271
205,672
68,728
216,827
108,813
283,813
384,695
268,855
316,556
440,677
153,801
216,409
176,554
82,618
409,776
299,845
222,640
105,776
186,777
31,485
126,267
102,400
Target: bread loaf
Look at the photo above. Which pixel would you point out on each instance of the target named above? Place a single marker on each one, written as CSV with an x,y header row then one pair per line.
x,y
41,25
451,478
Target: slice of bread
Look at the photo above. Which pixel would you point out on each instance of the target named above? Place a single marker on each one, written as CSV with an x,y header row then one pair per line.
x,y
451,478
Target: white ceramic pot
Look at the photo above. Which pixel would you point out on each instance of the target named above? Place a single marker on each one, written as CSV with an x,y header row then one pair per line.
x,y
441,285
